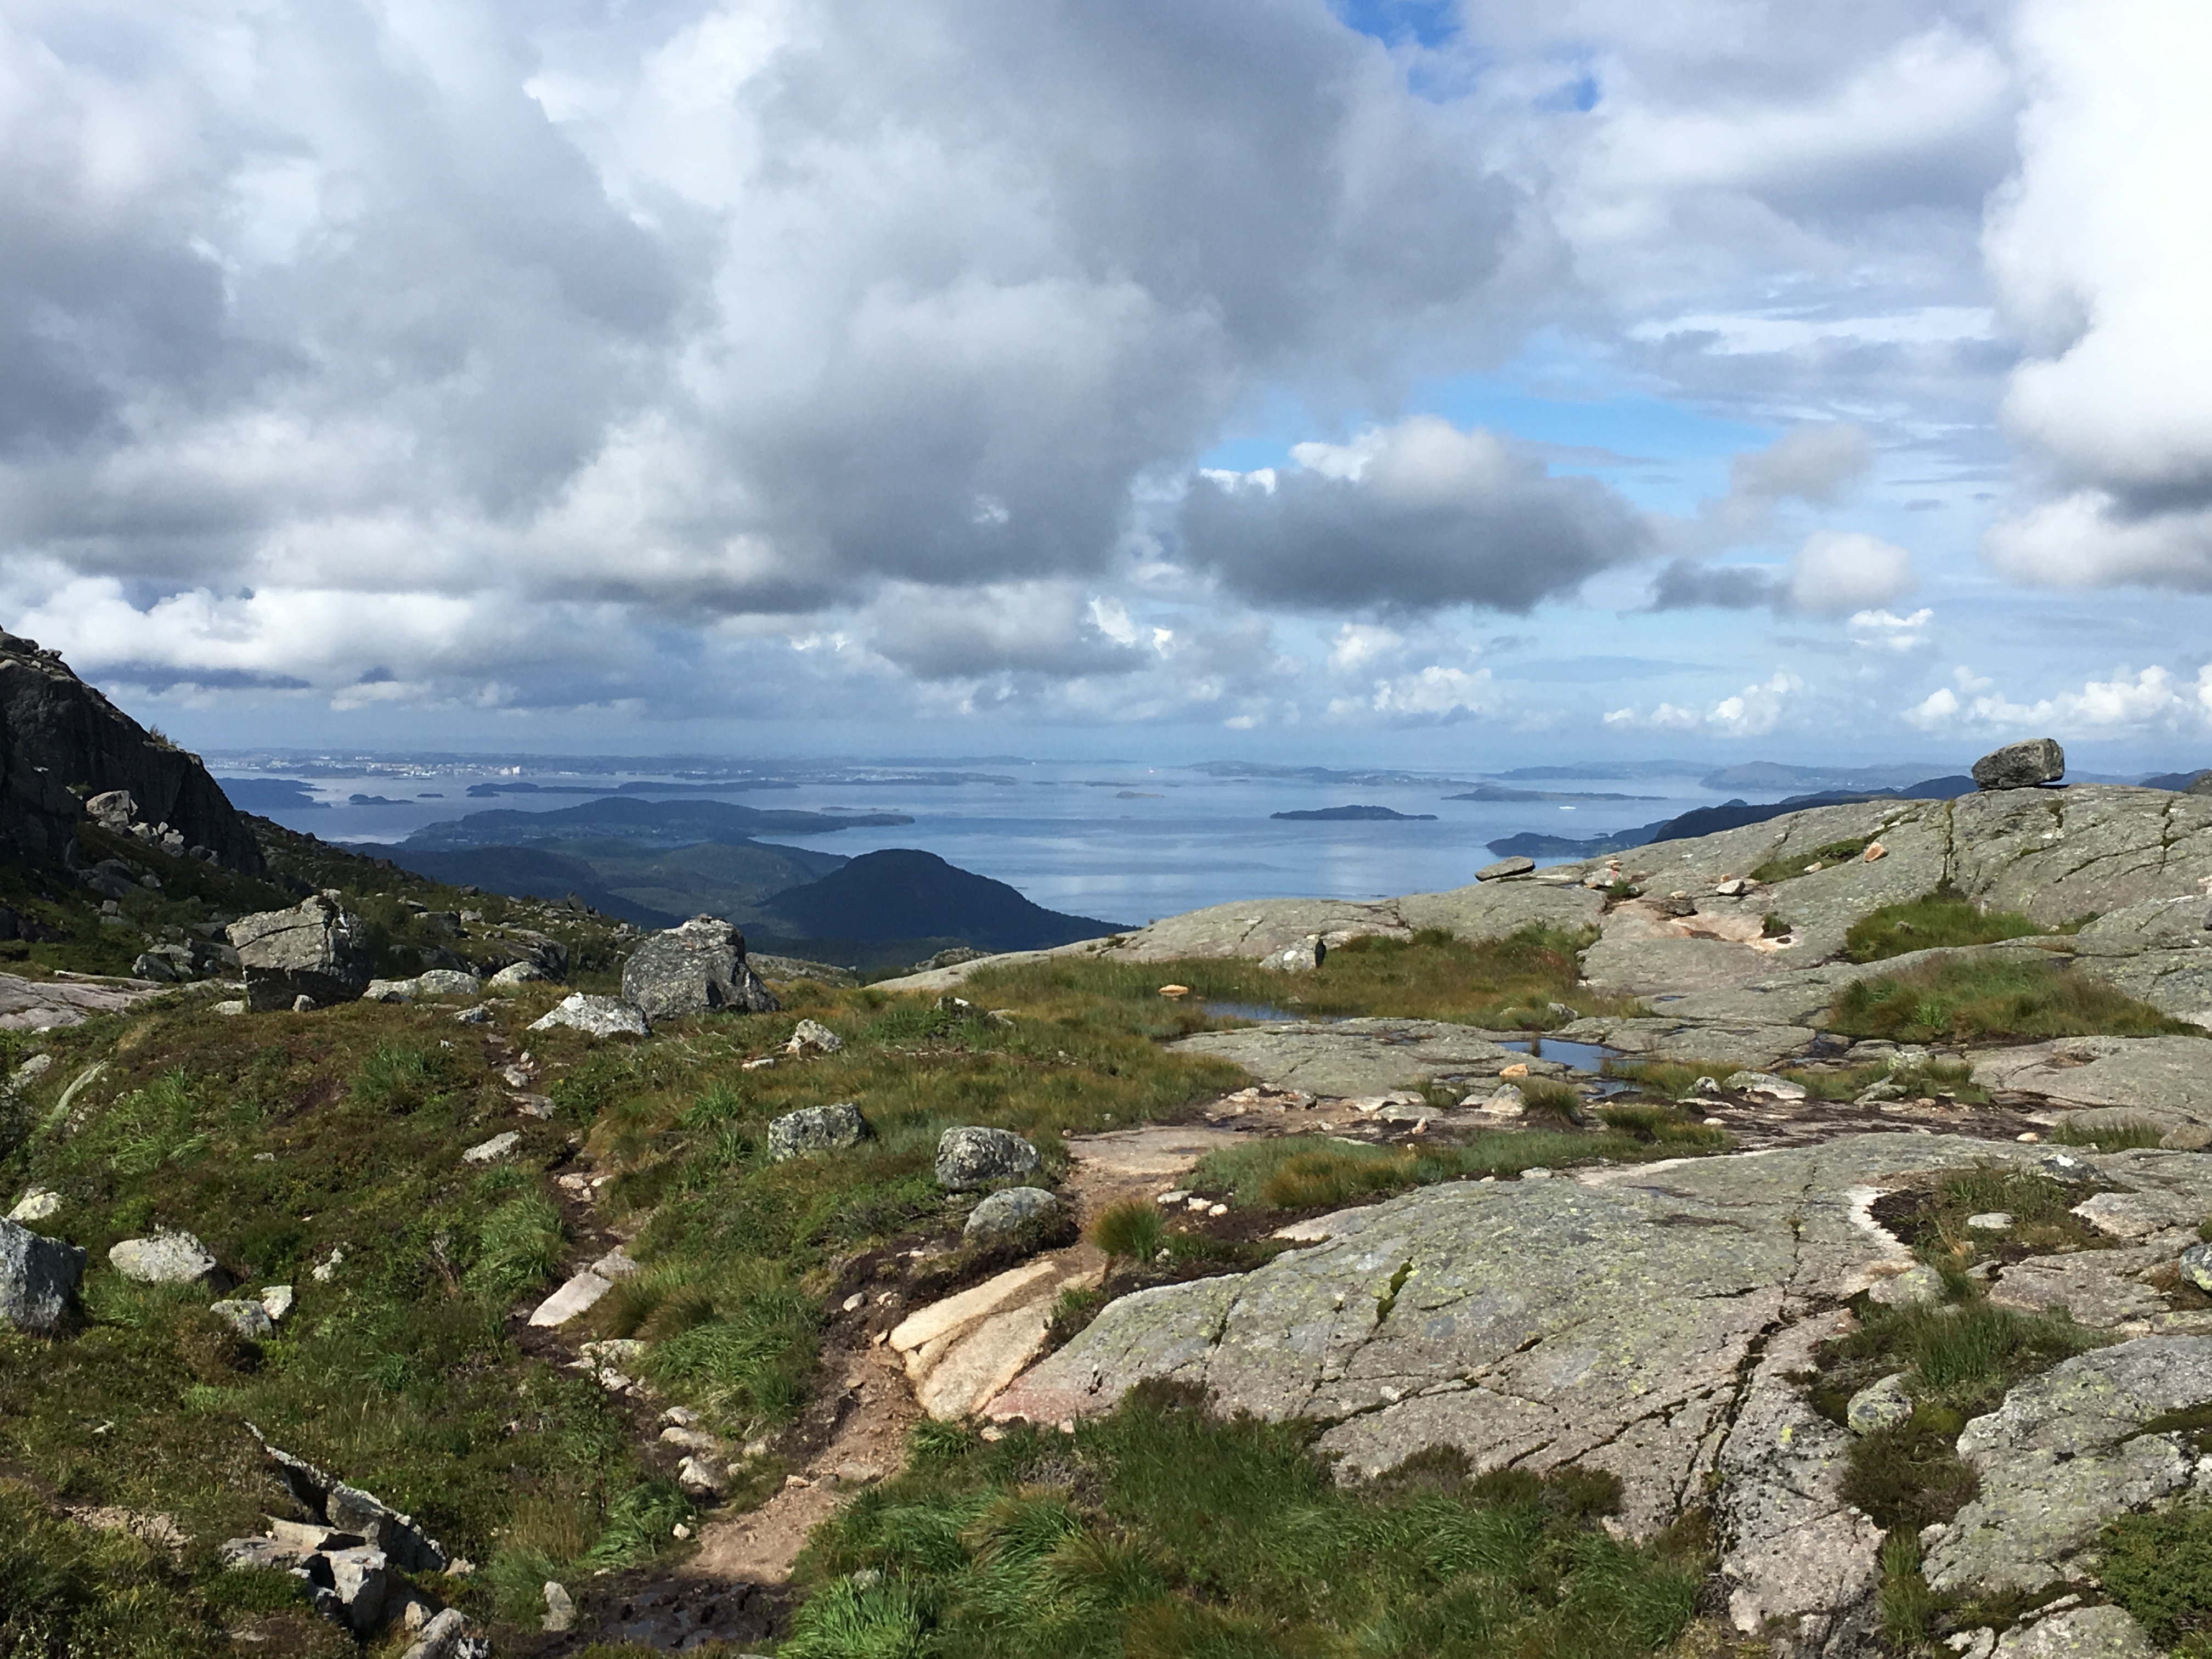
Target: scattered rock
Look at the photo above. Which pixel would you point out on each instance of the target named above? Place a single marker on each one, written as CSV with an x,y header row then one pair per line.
x,y
2099,1632
490,1151
277,1301
515,975
478,1015
697,969
2196,1266
1916,1287
812,1037
598,1017
816,1129
331,1503
701,1477
1004,1214
560,1609
36,1204
39,1279
315,950
447,982
1991,1221
447,1637
167,1259
389,990
1883,1405
1504,867
1733,887
1765,1084
1677,906
2187,1138
584,1289
248,1318
974,1157
2021,765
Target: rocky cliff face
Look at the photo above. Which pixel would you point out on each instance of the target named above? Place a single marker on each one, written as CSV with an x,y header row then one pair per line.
x,y
63,743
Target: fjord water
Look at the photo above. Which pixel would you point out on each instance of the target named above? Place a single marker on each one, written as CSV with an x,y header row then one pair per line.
x,y
1123,842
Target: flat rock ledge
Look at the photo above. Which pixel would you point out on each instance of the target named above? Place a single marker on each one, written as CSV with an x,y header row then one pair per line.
x,y
1650,1321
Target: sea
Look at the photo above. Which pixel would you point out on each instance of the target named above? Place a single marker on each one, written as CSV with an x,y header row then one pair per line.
x,y
1123,842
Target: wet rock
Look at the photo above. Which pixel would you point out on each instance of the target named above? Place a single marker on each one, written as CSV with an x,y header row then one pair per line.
x,y
1004,1214
1883,1405
315,950
2064,1454
39,1279
699,967
598,1017
812,1130
2021,765
167,1259
974,1157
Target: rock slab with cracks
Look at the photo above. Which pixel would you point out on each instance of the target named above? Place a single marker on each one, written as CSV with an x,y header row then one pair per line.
x,y
315,950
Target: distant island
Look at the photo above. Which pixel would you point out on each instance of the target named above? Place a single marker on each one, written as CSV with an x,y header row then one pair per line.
x,y
1335,813
1501,791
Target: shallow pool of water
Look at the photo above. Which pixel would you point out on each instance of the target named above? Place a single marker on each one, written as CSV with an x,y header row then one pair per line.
x,y
1265,1012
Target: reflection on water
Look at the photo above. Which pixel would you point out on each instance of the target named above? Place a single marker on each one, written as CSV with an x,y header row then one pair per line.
x,y
1589,1058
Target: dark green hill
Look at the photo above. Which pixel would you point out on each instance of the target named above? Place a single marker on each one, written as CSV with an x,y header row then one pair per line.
x,y
903,894
653,886
651,823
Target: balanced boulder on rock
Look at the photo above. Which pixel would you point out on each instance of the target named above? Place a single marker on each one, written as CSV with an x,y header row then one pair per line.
x,y
972,1157
697,969
2021,765
39,1279
315,950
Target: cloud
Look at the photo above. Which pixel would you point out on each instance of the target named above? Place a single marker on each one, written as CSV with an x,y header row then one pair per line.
x,y
2103,269
1415,515
1434,695
1836,572
2155,699
1754,712
1885,630
693,311
1812,463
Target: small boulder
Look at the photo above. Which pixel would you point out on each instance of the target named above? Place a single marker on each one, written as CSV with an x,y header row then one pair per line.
x,y
277,1301
696,968
1883,1405
516,974
2021,765
36,1204
560,1609
1991,1221
814,1129
598,1017
2196,1266
2188,1138
1503,868
1004,1214
447,1637
391,990
1916,1287
39,1279
314,951
167,1259
1765,1083
248,1318
490,1151
447,982
811,1036
160,970
974,1157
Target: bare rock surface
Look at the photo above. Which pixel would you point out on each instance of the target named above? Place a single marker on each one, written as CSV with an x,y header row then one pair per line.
x,y
2164,1080
315,950
595,1015
40,1005
1353,1057
2065,1452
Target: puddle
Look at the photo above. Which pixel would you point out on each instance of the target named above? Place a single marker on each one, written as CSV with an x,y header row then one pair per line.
x,y
1585,1059
1264,1013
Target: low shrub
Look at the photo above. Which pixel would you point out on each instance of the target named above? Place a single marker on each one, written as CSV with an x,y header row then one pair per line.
x,y
1973,1000
2159,1567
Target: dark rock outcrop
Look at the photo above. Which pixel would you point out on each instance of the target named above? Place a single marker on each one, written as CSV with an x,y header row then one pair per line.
x,y
315,950
2021,765
64,744
39,1279
697,969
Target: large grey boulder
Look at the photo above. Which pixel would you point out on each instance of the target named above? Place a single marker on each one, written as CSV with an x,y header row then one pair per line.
x,y
814,1129
167,1258
699,967
315,950
2021,765
39,1279
973,1157
598,1017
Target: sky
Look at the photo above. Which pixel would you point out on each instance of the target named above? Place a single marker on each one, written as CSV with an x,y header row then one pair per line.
x,y
1428,382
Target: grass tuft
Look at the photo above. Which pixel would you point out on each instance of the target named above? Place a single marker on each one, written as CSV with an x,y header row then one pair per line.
x,y
1943,918
1133,1228
1975,1000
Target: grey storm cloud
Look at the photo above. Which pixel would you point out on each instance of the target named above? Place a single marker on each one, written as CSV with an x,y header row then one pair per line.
x,y
1413,516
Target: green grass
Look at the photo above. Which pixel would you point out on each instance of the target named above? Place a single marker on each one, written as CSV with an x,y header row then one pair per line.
x,y
1978,1000
1134,1228
1834,852
1508,984
1160,1531
1943,918
1308,1171
2109,1136
2159,1567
